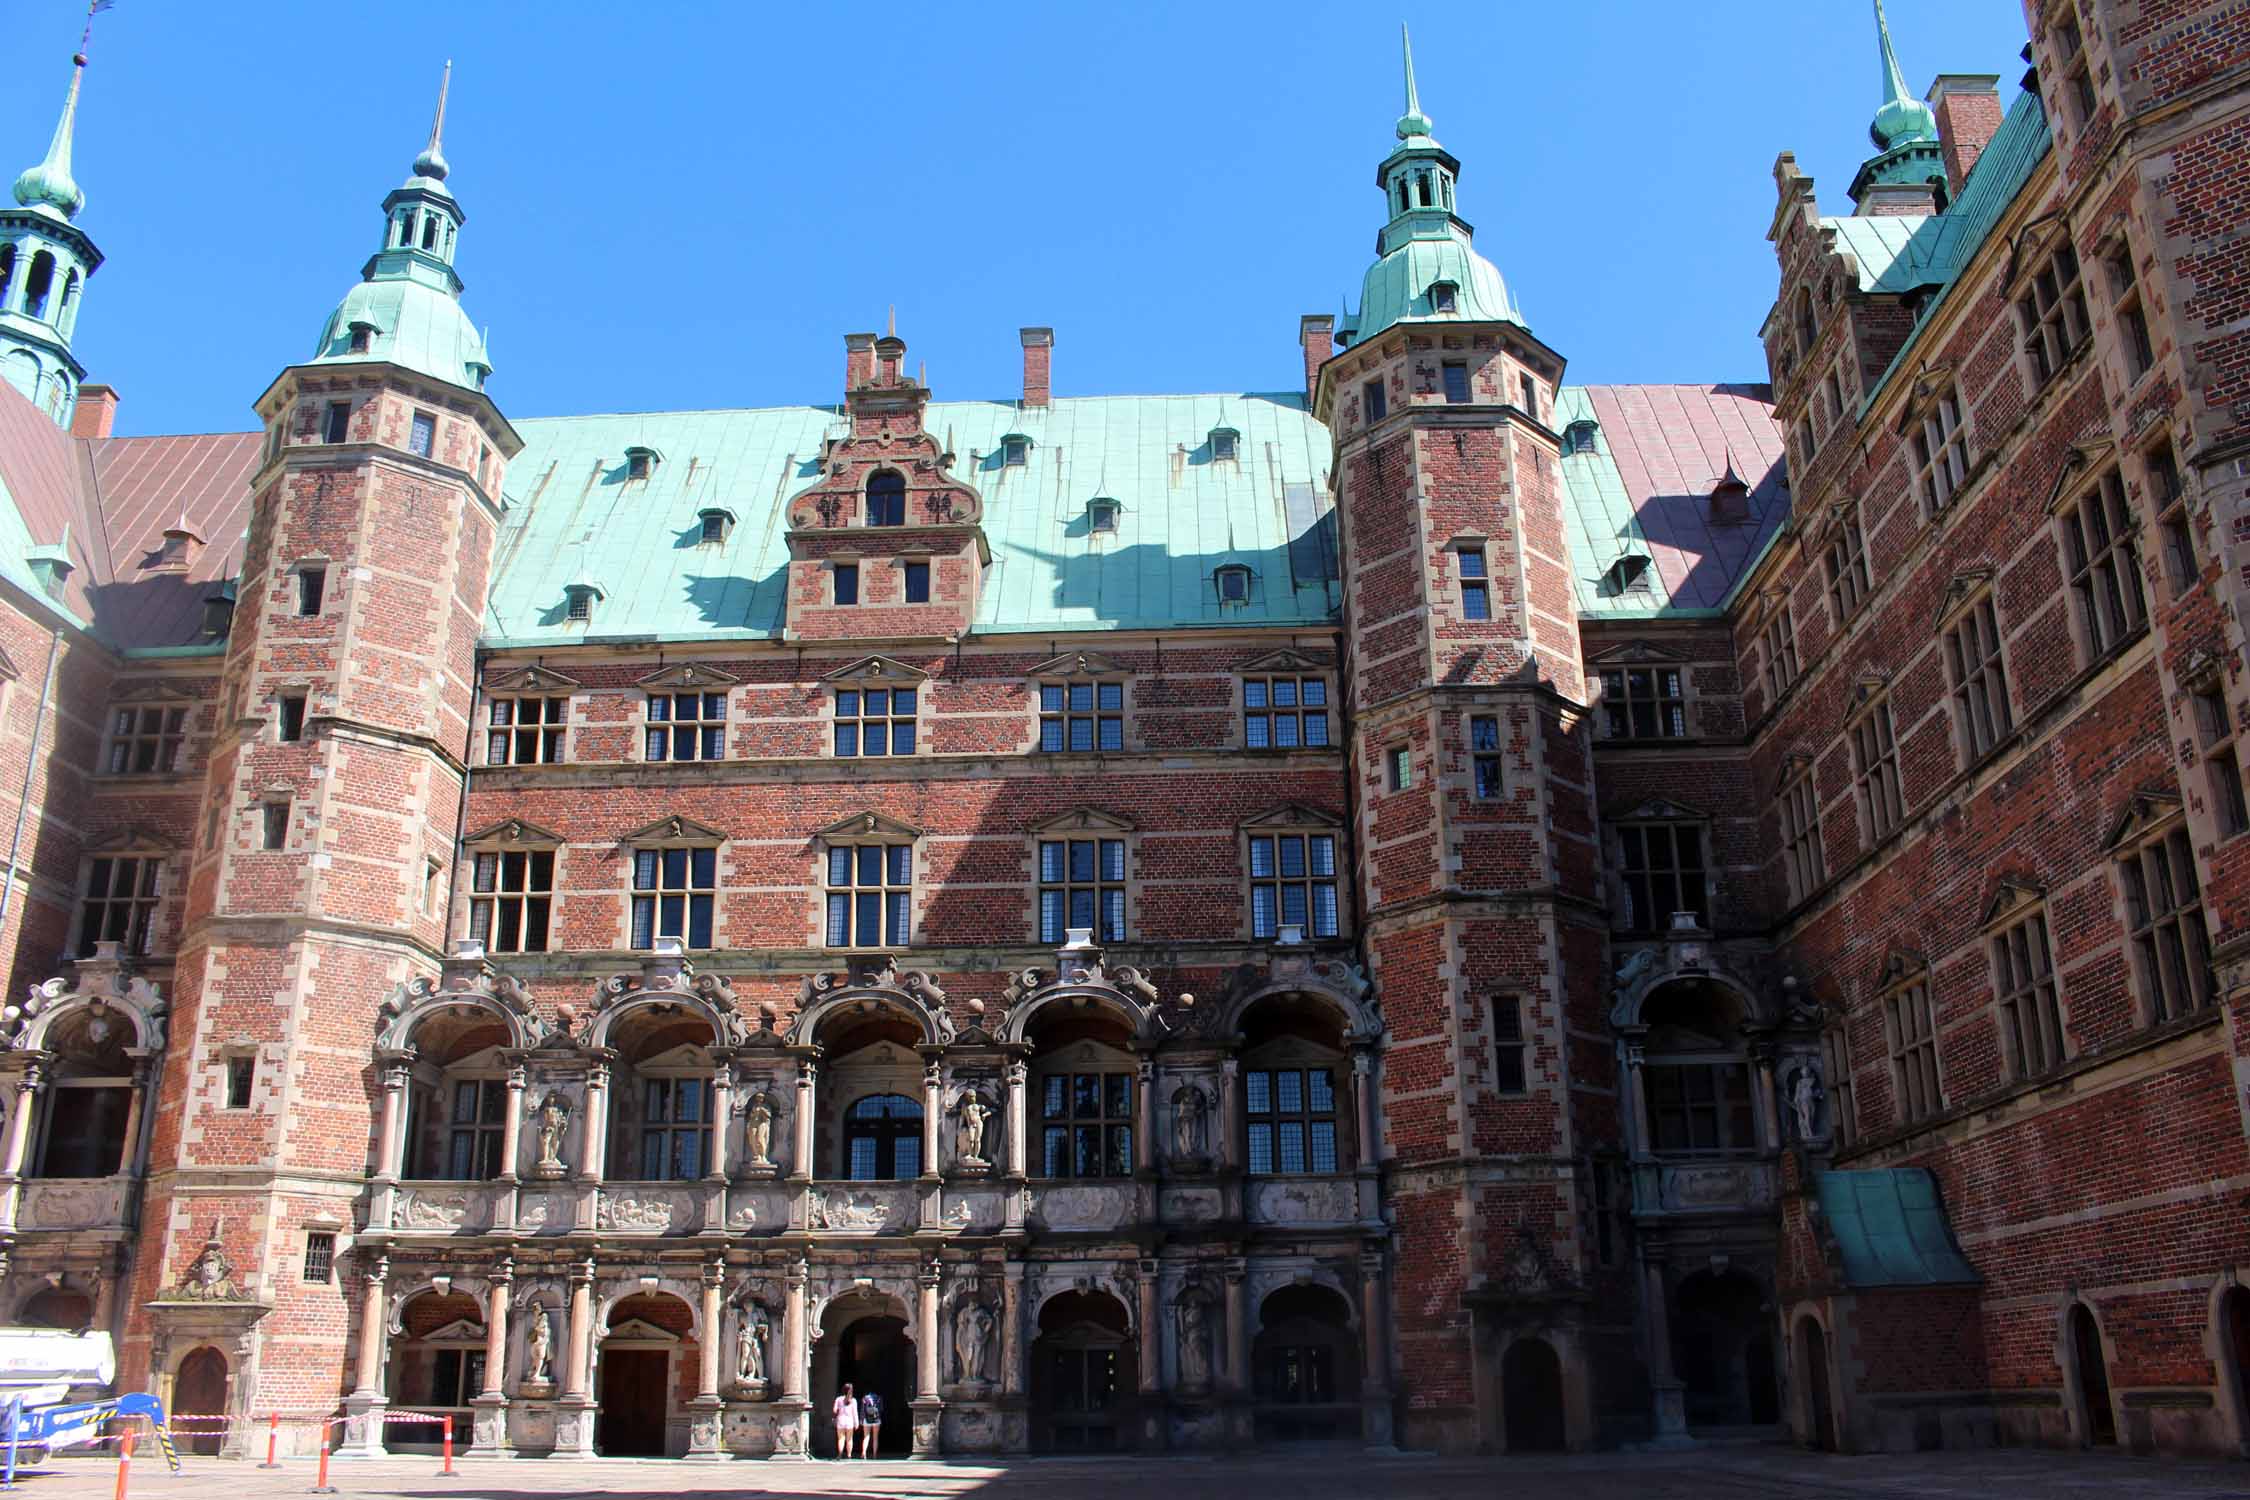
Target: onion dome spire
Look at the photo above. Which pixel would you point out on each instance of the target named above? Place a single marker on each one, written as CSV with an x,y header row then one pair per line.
x,y
1413,122
431,163
1902,117
49,185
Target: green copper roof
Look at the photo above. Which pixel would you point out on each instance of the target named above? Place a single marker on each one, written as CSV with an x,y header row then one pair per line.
x,y
574,514
1892,1229
1413,123
411,324
49,187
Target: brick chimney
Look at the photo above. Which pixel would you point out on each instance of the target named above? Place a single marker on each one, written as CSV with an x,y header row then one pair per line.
x,y
96,413
1038,366
1968,112
859,360
1316,335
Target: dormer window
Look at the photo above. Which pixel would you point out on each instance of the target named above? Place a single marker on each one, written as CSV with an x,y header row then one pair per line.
x,y
1223,443
1101,516
1445,297
578,602
1630,574
716,524
1014,451
218,615
1234,584
363,337
640,462
1579,436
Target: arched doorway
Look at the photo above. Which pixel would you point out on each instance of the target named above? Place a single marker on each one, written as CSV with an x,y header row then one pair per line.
x,y
1305,1366
89,1096
1722,1347
199,1389
54,1307
1531,1397
436,1365
2234,1357
648,1369
1812,1366
1084,1371
2097,1418
864,1343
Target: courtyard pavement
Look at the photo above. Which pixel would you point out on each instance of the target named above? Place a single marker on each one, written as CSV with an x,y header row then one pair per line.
x,y
1345,1474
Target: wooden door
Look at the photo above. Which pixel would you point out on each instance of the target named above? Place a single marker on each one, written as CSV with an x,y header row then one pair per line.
x,y
200,1390
630,1420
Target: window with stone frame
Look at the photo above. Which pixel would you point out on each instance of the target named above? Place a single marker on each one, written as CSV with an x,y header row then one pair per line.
x,y
1293,882
1978,678
1081,715
1844,563
1082,884
118,902
1875,781
1644,703
2068,41
1910,1032
2222,766
686,726
1086,1124
2164,912
2102,558
1804,863
1780,640
1836,1068
526,731
511,899
1487,774
1285,712
2168,494
2133,339
2051,314
2026,998
870,894
1290,1118
1511,1065
872,721
476,1123
456,1377
674,894
144,739
320,1258
1662,869
674,1132
1941,453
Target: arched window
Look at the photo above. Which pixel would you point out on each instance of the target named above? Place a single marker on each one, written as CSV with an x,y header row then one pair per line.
x,y
89,1103
457,1106
39,285
1806,328
1422,188
886,498
7,271
1698,1074
883,1139
661,1085
429,231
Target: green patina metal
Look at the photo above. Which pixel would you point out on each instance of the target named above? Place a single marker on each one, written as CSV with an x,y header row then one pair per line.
x,y
39,232
1904,129
49,187
1891,1229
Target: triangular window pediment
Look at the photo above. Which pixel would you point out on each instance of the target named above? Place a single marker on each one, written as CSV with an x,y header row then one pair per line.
x,y
640,1331
1960,590
1637,650
1079,664
515,832
877,1055
1083,1053
134,836
685,1058
1899,966
531,679
1660,810
1292,815
2011,894
877,669
2143,813
2029,249
867,825
1088,819
483,1060
2086,460
1794,764
1283,660
142,691
674,830
1868,686
1930,382
459,1331
688,674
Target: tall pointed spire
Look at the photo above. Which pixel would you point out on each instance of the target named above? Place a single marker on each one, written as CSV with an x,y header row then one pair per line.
x,y
49,184
1902,117
431,163
1413,122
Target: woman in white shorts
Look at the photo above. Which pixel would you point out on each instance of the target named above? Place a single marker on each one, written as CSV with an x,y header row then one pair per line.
x,y
847,1421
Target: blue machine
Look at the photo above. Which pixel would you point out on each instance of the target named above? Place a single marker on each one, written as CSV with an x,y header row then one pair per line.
x,y
38,1367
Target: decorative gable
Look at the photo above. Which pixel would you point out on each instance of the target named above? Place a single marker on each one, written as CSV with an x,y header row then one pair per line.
x,y
1636,651
459,1331
868,825
688,675
1079,664
1794,763
2085,459
1292,815
2144,812
674,830
1283,660
533,679
1964,586
877,669
2011,894
1084,819
515,832
1660,810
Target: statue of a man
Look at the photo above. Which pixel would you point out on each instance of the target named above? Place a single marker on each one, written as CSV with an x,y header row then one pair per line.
x,y
972,1329
750,1347
761,1129
554,1116
1195,1344
1188,1121
541,1363
1804,1099
974,1113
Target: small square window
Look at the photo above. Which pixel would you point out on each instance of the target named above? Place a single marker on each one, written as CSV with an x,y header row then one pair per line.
x,y
1234,585
320,1257
847,583
242,1072
1444,297
714,526
1101,517
312,590
274,831
336,425
1222,445
1398,762
1014,451
1374,401
1456,381
581,605
291,718
636,465
363,338
421,437
917,582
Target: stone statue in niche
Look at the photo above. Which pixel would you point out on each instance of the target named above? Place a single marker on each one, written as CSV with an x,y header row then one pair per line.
x,y
554,1119
1191,1124
750,1350
1804,1099
760,1129
976,1115
973,1327
539,1358
1195,1343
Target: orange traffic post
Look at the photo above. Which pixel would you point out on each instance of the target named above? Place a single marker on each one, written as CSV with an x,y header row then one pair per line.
x,y
447,1471
124,1462
273,1441
321,1486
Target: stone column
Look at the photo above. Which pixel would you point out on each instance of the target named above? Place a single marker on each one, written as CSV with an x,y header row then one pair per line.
x,y
1019,1130
933,1101
1011,1328
511,1134
1766,1101
129,1154
574,1422
1151,1329
1369,1147
390,1146
1666,1388
1238,1328
1636,1088
1230,1113
722,1121
489,1422
364,1407
595,1146
22,1107
927,1406
791,1427
704,1439
1375,1321
806,1075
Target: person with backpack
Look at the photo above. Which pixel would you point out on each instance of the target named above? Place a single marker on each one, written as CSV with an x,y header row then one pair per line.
x,y
870,1422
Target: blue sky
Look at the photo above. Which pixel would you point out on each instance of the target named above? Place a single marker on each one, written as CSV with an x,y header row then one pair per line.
x,y
686,206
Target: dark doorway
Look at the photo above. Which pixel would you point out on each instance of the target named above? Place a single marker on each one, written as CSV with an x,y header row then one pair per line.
x,y
1812,1362
55,1308
1305,1366
2234,1336
2093,1378
877,1356
1083,1375
200,1390
1722,1347
630,1420
1531,1397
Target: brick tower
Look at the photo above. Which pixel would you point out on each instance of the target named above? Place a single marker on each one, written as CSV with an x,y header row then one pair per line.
x,y
1473,800
319,875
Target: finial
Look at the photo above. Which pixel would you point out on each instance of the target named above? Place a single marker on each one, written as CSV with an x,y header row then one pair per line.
x,y
1413,122
922,374
1901,117
890,327
49,184
431,163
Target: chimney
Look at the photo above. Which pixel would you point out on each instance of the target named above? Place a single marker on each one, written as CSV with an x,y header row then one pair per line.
x,y
859,360
1038,365
96,413
1316,335
1968,112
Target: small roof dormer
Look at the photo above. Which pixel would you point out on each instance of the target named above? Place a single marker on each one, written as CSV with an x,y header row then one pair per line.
x,y
641,461
581,596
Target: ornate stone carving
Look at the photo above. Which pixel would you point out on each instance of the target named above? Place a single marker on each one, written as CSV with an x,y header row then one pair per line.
x,y
1193,1312
758,1112
550,1120
976,1115
860,1212
1191,1205
1085,1207
438,1211
1739,1185
1191,1125
73,1205
539,1356
1289,1201
209,1277
975,1330
642,1211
